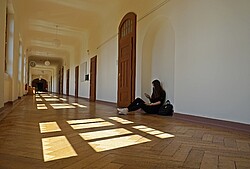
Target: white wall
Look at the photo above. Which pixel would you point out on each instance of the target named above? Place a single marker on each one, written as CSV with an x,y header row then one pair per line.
x,y
212,59
75,59
211,64
83,84
107,68
158,53
199,50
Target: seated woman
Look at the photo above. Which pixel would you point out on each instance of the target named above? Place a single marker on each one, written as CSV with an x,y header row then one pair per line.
x,y
156,101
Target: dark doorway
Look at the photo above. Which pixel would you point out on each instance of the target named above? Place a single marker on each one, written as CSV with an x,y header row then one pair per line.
x,y
41,85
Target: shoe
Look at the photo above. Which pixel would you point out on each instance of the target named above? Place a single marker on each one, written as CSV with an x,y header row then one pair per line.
x,y
123,111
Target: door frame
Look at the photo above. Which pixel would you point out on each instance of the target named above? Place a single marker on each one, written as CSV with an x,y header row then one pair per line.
x,y
92,90
132,36
76,81
62,78
67,83
59,81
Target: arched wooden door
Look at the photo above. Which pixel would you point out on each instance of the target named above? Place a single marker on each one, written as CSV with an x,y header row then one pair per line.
x,y
126,60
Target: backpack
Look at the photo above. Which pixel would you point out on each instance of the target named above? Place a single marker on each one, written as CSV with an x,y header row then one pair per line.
x,y
167,109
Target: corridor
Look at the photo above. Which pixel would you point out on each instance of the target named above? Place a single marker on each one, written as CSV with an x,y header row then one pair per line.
x,y
50,131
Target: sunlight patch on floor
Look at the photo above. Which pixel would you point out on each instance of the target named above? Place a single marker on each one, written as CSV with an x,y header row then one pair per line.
x,y
63,99
62,106
51,99
47,127
104,133
85,121
55,148
121,120
42,92
91,125
46,96
114,143
164,135
154,132
39,100
41,107
79,105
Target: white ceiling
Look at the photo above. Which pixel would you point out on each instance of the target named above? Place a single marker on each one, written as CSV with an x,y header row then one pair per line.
x,y
43,21
71,21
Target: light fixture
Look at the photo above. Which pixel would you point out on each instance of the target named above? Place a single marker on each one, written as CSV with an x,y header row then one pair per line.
x,y
47,62
32,63
56,41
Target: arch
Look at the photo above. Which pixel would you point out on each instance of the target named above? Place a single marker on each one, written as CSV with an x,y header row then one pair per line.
x,y
40,85
158,53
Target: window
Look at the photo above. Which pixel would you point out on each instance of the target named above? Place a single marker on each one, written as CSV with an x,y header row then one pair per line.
x,y
6,40
126,28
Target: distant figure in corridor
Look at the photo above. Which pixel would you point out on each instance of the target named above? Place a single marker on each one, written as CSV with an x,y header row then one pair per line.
x,y
157,99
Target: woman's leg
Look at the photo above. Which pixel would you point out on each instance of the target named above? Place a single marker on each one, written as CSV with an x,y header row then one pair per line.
x,y
136,104
150,109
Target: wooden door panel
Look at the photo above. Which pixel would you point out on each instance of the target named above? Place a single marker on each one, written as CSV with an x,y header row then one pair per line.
x,y
124,83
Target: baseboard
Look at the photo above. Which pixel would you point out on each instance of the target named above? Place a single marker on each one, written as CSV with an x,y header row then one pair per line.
x,y
214,122
8,107
84,98
8,103
65,95
106,103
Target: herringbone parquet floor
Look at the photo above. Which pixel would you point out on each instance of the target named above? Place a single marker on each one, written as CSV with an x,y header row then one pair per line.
x,y
46,131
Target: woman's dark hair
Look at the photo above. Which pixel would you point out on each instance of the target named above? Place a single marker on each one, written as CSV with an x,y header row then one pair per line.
x,y
157,90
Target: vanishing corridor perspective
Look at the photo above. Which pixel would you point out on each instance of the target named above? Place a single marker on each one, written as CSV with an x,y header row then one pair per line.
x,y
70,68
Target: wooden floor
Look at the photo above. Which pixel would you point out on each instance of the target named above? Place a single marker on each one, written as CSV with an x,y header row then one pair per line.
x,y
48,132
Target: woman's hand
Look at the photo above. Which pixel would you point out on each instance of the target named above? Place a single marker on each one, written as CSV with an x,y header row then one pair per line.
x,y
153,104
147,96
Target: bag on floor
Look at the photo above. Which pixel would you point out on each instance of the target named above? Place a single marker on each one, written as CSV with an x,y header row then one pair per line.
x,y
167,109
